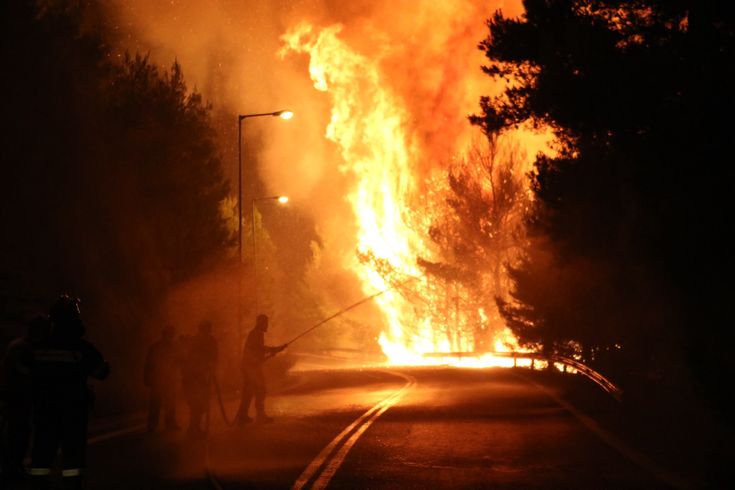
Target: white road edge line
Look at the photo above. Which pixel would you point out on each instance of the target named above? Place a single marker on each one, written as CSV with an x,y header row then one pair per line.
x,y
110,435
636,457
362,424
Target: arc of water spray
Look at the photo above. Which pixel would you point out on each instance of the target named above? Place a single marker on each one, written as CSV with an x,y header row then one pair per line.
x,y
345,310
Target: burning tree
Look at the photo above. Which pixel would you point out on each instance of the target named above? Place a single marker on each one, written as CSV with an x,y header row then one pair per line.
x,y
476,224
437,245
478,229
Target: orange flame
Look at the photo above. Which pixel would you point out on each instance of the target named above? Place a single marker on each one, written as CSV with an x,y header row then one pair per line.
x,y
370,125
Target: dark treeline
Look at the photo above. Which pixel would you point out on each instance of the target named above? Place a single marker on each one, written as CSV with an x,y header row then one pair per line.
x,y
629,258
111,182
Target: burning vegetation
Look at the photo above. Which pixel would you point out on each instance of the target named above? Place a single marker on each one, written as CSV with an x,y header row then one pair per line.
x,y
436,240
607,247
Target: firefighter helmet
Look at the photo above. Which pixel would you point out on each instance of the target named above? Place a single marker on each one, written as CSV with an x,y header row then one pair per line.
x,y
65,317
65,308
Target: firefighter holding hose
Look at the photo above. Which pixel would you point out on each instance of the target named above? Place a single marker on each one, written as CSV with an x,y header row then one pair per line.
x,y
253,382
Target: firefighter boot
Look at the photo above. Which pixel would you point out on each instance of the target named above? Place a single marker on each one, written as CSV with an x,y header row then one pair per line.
x,y
262,418
40,481
71,482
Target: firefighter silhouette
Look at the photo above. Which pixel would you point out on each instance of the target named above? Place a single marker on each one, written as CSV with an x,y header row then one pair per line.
x,y
254,355
198,370
59,368
160,376
17,399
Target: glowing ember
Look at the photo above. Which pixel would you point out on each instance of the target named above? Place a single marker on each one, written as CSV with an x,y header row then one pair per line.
x,y
370,126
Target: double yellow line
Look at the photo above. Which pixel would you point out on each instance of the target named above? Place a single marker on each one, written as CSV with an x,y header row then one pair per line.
x,y
321,470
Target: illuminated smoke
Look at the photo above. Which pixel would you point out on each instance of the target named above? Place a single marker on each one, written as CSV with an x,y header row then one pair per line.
x,y
381,92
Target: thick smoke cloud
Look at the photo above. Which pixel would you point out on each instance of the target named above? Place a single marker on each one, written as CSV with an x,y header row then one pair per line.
x,y
228,49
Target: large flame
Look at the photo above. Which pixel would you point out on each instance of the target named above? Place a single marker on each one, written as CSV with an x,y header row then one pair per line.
x,y
400,78
371,126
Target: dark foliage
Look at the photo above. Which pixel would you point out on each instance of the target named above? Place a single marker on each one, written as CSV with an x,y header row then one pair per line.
x,y
111,181
632,255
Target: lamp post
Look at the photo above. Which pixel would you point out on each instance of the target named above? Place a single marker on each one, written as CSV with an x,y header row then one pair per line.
x,y
283,114
280,199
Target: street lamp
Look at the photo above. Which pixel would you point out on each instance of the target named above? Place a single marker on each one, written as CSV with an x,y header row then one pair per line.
x,y
283,114
280,199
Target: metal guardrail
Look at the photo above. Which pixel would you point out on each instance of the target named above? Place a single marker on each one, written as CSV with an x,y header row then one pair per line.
x,y
604,383
608,386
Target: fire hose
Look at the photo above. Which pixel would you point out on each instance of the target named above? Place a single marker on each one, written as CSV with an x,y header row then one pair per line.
x,y
221,403
340,312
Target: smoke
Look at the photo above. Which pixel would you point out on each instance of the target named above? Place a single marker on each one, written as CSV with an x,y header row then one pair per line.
x,y
428,58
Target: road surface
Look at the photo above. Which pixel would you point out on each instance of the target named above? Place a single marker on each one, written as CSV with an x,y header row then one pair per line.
x,y
384,428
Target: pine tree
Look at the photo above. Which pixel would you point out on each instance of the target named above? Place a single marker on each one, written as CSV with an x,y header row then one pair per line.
x,y
631,257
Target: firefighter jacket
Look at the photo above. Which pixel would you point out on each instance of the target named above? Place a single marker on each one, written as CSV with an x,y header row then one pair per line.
x,y
161,364
201,359
14,380
61,366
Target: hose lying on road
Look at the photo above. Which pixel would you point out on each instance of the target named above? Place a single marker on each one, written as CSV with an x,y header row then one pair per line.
x,y
221,403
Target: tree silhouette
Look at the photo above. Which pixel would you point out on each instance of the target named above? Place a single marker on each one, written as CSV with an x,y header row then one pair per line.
x,y
631,254
111,183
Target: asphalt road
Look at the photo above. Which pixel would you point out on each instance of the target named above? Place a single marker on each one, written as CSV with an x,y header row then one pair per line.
x,y
385,428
